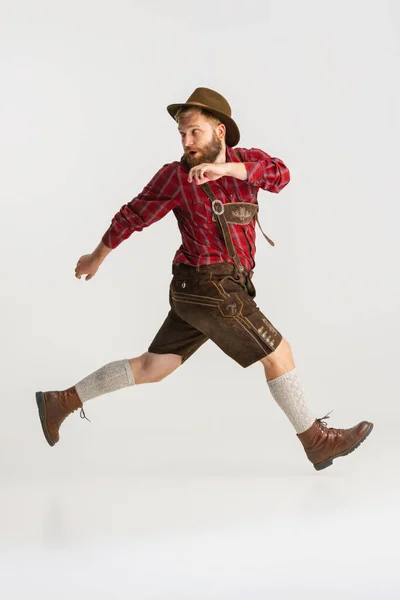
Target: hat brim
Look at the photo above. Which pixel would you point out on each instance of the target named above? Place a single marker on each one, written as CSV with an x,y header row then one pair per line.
x,y
232,130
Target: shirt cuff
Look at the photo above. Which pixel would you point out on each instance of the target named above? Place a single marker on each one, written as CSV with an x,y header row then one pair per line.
x,y
108,240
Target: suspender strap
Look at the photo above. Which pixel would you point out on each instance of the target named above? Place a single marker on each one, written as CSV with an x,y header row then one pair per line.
x,y
264,234
257,219
218,209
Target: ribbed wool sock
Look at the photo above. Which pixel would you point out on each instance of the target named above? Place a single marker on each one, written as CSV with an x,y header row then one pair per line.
x,y
288,392
111,377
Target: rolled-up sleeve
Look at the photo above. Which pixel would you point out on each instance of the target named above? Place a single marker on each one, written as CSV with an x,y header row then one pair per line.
x,y
264,171
159,196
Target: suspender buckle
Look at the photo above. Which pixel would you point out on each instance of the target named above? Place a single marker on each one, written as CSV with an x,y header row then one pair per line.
x,y
220,210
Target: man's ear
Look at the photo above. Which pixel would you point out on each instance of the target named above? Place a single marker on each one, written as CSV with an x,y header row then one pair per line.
x,y
221,131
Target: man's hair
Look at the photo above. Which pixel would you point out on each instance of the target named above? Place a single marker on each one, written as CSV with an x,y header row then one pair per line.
x,y
212,119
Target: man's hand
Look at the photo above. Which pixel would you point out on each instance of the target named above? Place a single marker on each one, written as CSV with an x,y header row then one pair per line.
x,y
212,171
207,172
87,265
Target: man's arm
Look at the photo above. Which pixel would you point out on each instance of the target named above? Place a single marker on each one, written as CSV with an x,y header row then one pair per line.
x,y
237,170
213,171
159,197
256,166
263,170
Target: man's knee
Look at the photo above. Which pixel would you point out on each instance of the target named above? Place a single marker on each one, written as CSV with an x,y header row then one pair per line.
x,y
282,352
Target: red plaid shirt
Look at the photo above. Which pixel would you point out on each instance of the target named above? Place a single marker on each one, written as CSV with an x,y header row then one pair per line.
x,y
202,243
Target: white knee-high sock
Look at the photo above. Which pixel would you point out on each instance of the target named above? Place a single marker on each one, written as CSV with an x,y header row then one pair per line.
x,y
288,392
111,377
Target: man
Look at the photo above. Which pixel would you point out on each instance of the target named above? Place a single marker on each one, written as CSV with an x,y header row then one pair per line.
x,y
213,193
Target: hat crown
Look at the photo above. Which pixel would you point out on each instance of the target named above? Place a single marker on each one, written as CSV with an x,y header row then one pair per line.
x,y
212,99
214,103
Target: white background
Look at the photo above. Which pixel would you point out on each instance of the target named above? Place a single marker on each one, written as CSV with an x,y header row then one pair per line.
x,y
197,487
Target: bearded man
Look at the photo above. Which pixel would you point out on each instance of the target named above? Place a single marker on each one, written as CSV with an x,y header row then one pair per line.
x,y
212,191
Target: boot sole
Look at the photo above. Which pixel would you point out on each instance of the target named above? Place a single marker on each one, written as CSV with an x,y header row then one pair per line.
x,y
42,414
328,463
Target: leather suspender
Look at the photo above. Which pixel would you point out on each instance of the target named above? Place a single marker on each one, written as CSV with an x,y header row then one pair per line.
x,y
264,234
218,210
257,219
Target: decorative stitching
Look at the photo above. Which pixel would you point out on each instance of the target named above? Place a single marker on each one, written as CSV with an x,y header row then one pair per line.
x,y
221,293
197,296
272,346
192,302
241,304
249,332
242,213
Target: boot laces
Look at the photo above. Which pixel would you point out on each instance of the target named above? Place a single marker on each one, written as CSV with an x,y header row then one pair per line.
x,y
322,421
83,416
323,424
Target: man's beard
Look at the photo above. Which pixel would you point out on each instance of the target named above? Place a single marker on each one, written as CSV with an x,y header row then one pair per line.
x,y
207,155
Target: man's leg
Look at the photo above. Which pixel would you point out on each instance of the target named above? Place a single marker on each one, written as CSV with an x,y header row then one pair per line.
x,y
321,444
147,368
173,344
151,367
55,406
215,300
286,388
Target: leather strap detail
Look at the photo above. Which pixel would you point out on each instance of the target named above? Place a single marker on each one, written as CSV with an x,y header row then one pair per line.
x,y
264,234
221,220
257,219
240,213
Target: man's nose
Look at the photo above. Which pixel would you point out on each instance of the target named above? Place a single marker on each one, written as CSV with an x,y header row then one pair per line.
x,y
187,141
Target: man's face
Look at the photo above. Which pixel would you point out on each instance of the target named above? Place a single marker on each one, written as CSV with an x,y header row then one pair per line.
x,y
200,140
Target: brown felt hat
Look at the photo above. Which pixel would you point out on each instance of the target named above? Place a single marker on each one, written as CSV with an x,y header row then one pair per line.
x,y
215,104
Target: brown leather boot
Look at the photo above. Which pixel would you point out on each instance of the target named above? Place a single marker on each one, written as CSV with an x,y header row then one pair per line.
x,y
322,444
54,407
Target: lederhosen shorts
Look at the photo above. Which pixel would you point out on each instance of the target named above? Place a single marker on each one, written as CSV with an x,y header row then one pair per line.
x,y
215,302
